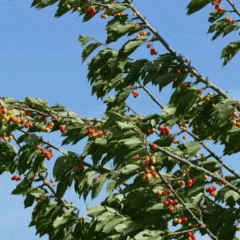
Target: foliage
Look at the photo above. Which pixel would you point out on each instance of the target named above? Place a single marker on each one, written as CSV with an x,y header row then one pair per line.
x,y
140,211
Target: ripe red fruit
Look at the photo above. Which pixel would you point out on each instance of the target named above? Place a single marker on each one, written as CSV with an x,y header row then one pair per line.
x,y
104,131
189,234
193,236
152,50
210,189
223,182
149,45
189,184
166,203
52,180
149,131
30,125
137,155
194,179
175,202
28,113
170,201
26,125
154,146
50,150
214,188
160,128
184,219
140,169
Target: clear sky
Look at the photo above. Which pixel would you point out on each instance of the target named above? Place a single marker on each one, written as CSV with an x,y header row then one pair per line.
x,y
41,57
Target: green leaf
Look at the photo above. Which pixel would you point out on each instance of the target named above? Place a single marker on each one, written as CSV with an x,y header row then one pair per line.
x,y
230,51
88,50
36,103
196,5
131,143
98,185
29,200
129,47
84,40
116,8
215,15
38,192
191,148
165,79
110,187
94,212
39,4
63,165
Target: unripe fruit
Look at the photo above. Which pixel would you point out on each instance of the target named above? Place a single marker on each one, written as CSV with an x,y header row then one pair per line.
x,y
68,6
175,220
205,177
179,220
171,209
79,9
45,181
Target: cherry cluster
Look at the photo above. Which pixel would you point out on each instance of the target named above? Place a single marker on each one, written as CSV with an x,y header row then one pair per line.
x,y
163,192
180,220
95,133
91,11
190,181
81,166
16,178
217,6
135,93
191,236
164,130
48,154
230,20
62,129
211,191
171,202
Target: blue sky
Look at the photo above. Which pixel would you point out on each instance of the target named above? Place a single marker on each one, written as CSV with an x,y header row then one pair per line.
x,y
41,57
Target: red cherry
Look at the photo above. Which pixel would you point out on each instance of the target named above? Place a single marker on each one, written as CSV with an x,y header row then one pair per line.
x,y
214,188
149,131
184,219
160,128
170,201
210,189
104,131
50,150
28,113
189,234
26,125
223,182
193,236
163,132
166,203
194,179
30,125
140,169
137,155
189,184
175,202
154,146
